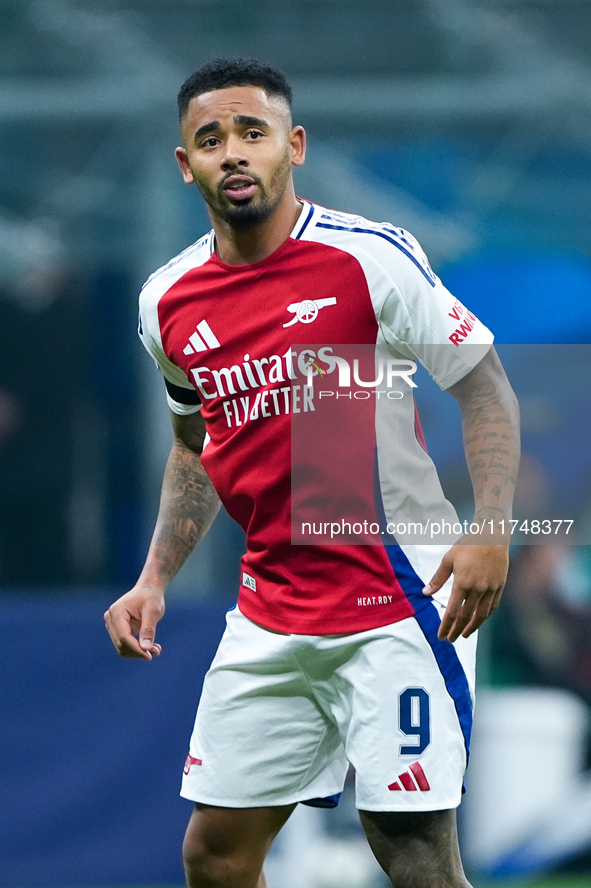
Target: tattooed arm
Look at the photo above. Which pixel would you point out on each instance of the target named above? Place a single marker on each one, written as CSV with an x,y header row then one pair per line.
x,y
188,506
490,420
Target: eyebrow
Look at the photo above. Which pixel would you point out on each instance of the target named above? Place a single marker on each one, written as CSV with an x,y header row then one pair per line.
x,y
207,128
240,119
246,120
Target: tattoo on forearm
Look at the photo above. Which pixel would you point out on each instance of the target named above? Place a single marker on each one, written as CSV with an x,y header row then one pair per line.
x,y
188,506
491,437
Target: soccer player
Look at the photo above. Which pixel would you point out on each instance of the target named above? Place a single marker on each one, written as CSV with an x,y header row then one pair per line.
x,y
335,653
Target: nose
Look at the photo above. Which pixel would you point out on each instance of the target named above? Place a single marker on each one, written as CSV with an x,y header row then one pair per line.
x,y
234,154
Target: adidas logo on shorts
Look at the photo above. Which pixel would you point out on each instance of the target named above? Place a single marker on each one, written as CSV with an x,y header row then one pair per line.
x,y
412,779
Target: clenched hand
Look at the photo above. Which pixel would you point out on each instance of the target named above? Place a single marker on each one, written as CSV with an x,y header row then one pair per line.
x,y
136,614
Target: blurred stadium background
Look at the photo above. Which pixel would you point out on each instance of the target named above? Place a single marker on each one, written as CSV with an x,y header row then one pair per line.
x,y
467,122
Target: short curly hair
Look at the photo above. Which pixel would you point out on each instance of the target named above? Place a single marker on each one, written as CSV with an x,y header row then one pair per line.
x,y
220,73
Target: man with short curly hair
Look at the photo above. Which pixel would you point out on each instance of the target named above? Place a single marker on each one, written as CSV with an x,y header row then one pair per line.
x,y
335,654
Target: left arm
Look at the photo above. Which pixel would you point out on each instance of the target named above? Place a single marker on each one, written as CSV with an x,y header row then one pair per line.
x,y
490,422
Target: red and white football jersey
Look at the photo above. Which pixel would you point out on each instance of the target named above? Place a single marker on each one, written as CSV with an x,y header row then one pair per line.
x,y
226,340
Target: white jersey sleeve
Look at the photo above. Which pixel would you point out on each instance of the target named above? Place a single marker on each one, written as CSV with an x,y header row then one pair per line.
x,y
420,319
180,393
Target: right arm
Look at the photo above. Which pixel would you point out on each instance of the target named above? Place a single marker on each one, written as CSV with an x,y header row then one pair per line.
x,y
188,505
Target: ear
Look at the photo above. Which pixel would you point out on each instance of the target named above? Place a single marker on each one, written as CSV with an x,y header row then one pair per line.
x,y
297,143
183,161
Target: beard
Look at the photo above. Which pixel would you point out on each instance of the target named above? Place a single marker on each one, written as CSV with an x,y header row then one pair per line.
x,y
247,214
254,211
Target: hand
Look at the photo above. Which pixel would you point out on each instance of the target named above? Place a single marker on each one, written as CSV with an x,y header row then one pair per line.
x,y
136,612
480,573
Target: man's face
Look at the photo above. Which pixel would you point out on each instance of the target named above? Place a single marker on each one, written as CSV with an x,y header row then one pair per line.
x,y
239,149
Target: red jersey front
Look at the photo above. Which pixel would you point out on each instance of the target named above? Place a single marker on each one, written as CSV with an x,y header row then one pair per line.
x,y
228,334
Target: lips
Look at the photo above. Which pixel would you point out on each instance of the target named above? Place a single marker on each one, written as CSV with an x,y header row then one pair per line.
x,y
239,187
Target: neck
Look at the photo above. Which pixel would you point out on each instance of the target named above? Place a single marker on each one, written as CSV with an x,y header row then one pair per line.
x,y
255,244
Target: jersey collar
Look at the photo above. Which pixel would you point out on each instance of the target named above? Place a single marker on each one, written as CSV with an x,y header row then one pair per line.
x,y
304,219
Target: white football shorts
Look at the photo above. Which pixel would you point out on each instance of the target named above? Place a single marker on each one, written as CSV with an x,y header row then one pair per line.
x,y
282,716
